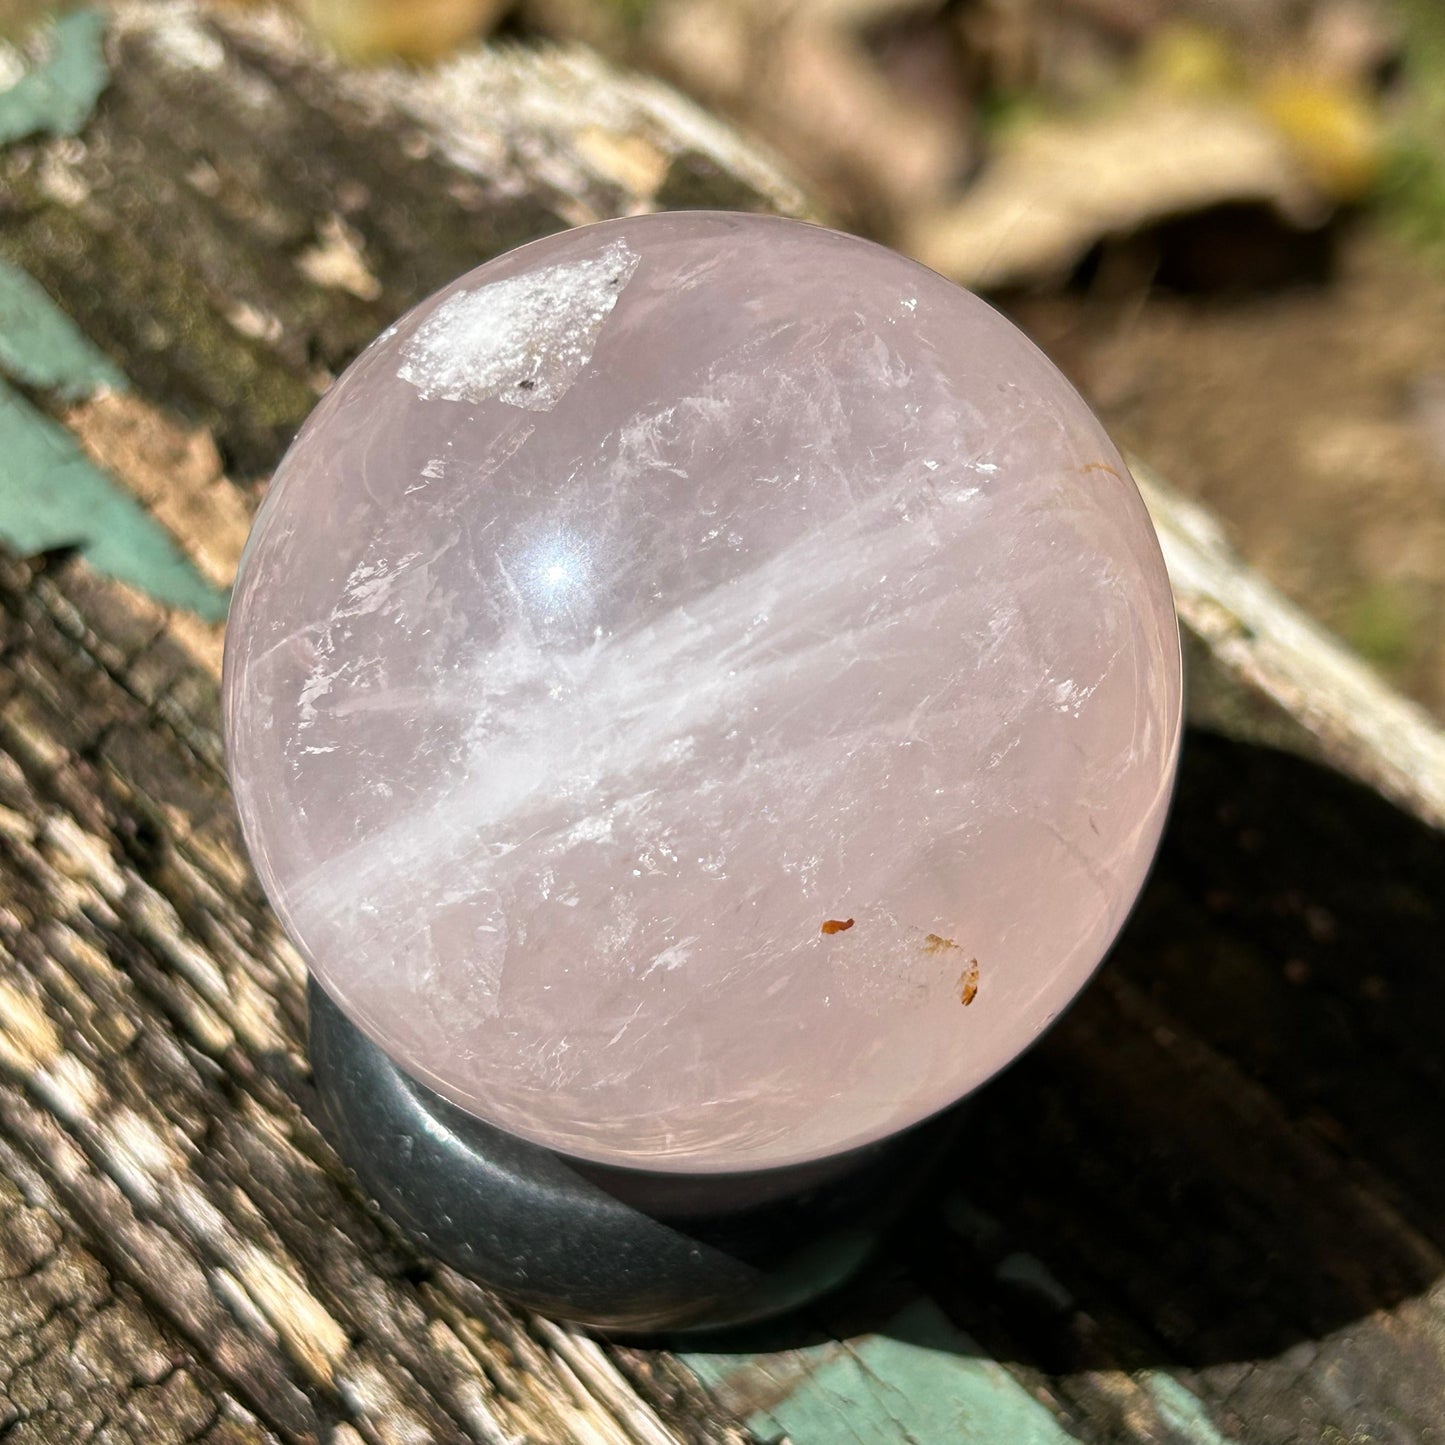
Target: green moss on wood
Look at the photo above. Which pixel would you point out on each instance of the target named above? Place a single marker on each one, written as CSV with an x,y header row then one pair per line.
x,y
40,346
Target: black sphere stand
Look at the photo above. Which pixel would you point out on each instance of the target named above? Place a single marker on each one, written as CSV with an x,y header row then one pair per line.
x,y
619,1249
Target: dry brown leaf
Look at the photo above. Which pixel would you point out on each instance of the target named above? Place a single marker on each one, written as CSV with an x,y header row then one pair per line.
x,y
710,46
1333,126
1059,186
855,14
1351,40
804,80
415,29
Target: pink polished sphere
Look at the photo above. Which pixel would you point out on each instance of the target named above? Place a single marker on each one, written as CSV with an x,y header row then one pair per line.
x,y
703,692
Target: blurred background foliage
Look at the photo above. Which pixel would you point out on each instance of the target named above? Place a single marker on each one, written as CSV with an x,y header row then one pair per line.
x,y
1224,218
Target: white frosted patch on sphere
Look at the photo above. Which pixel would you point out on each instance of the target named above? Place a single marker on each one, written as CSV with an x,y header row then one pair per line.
x,y
522,340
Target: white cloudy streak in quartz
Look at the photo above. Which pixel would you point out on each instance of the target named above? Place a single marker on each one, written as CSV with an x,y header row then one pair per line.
x,y
597,723
557,737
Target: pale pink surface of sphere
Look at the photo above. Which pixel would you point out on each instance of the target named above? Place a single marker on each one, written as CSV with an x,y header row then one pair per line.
x,y
650,603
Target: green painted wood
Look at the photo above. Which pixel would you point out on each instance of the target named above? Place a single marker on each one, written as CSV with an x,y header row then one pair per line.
x,y
57,95
1181,1411
52,495
41,346
919,1380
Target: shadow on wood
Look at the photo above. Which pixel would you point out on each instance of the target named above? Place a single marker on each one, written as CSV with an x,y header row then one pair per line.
x,y
1226,1157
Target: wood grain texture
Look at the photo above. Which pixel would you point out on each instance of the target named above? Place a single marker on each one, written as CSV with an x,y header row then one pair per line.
x,y
152,1018
1218,1174
1208,1207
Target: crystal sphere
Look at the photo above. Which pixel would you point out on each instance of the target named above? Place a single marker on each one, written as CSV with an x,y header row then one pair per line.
x,y
702,692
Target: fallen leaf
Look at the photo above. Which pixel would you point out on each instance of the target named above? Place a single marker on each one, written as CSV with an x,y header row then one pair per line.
x,y
1058,186
804,78
1334,128
414,30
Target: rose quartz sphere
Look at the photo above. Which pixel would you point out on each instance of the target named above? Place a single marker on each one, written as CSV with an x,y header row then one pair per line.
x,y
702,692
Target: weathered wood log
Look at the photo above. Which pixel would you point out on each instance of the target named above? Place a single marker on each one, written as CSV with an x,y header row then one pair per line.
x,y
152,1019
1209,1205
1260,669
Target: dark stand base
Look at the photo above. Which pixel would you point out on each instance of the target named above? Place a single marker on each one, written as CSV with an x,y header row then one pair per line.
x,y
618,1249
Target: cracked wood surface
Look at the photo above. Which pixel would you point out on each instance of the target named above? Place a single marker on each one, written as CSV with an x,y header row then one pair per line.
x,y
152,1019
1206,1208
